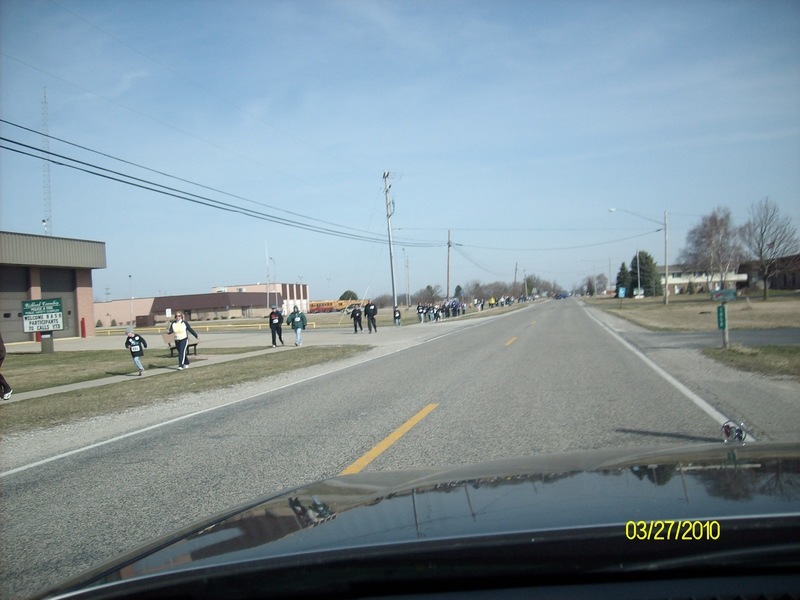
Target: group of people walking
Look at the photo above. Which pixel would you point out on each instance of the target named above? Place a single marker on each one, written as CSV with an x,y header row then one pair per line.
x,y
436,312
296,320
370,311
180,329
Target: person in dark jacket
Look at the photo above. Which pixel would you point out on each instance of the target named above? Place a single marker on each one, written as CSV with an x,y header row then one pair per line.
x,y
136,344
275,322
181,329
5,389
371,310
297,321
356,316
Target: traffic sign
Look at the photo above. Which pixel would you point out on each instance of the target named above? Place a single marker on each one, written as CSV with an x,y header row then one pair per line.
x,y
723,295
722,316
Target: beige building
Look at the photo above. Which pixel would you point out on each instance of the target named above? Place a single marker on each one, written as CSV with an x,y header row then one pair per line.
x,y
251,301
681,278
39,267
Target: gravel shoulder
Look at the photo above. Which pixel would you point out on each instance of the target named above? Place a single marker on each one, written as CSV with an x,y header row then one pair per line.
x,y
769,406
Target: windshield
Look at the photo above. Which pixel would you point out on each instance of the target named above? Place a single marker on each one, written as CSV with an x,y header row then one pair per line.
x,y
248,246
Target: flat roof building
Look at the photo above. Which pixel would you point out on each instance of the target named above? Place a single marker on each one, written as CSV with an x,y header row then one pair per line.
x,y
40,267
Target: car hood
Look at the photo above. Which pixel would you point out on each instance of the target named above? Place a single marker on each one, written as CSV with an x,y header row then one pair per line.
x,y
540,498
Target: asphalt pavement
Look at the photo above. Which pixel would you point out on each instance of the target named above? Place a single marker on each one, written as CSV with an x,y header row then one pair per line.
x,y
389,337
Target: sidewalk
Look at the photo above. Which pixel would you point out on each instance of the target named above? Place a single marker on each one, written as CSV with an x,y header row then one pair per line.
x,y
389,337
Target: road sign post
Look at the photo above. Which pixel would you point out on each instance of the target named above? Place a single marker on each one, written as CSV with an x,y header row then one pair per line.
x,y
722,322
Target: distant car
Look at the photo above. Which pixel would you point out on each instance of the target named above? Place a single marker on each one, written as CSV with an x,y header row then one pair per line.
x,y
714,520
351,307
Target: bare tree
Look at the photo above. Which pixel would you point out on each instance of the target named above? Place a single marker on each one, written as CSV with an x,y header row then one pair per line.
x,y
430,293
769,237
588,286
601,282
713,246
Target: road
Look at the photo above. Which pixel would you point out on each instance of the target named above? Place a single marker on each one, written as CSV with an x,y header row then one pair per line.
x,y
550,377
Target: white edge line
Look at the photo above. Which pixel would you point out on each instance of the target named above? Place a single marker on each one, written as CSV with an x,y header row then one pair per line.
x,y
702,404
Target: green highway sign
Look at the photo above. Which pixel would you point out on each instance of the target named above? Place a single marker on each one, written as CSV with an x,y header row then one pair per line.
x,y
722,316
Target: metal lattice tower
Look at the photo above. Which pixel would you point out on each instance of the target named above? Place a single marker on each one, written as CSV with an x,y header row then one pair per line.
x,y
47,221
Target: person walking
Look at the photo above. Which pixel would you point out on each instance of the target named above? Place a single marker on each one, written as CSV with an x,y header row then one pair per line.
x,y
397,316
275,322
5,389
356,316
371,310
297,320
136,344
181,329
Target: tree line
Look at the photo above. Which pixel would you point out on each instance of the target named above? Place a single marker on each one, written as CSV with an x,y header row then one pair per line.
x,y
717,246
714,246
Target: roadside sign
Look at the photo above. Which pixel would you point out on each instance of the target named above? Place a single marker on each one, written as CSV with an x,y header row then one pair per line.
x,y
621,292
722,316
42,315
723,295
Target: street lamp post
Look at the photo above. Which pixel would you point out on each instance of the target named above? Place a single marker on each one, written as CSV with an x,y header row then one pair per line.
x,y
274,279
130,303
665,226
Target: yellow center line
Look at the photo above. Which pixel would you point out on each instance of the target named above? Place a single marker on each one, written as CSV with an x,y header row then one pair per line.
x,y
511,341
380,448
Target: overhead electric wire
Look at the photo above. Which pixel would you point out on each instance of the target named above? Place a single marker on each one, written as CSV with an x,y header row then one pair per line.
x,y
194,198
459,248
200,185
578,247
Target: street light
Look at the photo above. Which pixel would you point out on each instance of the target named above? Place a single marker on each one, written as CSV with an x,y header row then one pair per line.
x,y
130,303
665,226
274,278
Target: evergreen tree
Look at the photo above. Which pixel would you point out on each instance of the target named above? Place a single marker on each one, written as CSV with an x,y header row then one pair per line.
x,y
645,270
623,280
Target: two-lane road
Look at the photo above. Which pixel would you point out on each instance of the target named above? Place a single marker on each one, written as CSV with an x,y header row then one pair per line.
x,y
545,378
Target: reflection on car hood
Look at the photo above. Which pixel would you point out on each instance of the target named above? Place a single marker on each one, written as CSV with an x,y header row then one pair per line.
x,y
556,493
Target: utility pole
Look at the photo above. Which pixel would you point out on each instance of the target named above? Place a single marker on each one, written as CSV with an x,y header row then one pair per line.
x,y
408,279
514,288
447,295
389,213
666,260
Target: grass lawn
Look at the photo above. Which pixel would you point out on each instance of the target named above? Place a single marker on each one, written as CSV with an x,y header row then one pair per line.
x,y
65,367
767,360
699,313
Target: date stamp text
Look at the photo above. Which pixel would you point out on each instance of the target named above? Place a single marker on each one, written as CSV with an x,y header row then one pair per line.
x,y
673,530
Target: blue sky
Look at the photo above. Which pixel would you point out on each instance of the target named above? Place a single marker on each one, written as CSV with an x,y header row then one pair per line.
x,y
513,125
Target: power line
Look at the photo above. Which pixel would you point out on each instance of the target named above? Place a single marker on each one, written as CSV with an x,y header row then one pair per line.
x,y
151,186
177,178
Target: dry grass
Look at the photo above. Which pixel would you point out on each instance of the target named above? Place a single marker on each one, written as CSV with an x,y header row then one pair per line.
x,y
117,397
699,313
694,313
768,360
36,371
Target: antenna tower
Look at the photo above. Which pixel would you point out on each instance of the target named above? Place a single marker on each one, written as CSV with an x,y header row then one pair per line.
x,y
47,221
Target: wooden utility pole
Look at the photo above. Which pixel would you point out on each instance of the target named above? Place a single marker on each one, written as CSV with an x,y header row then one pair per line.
x,y
447,295
389,213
